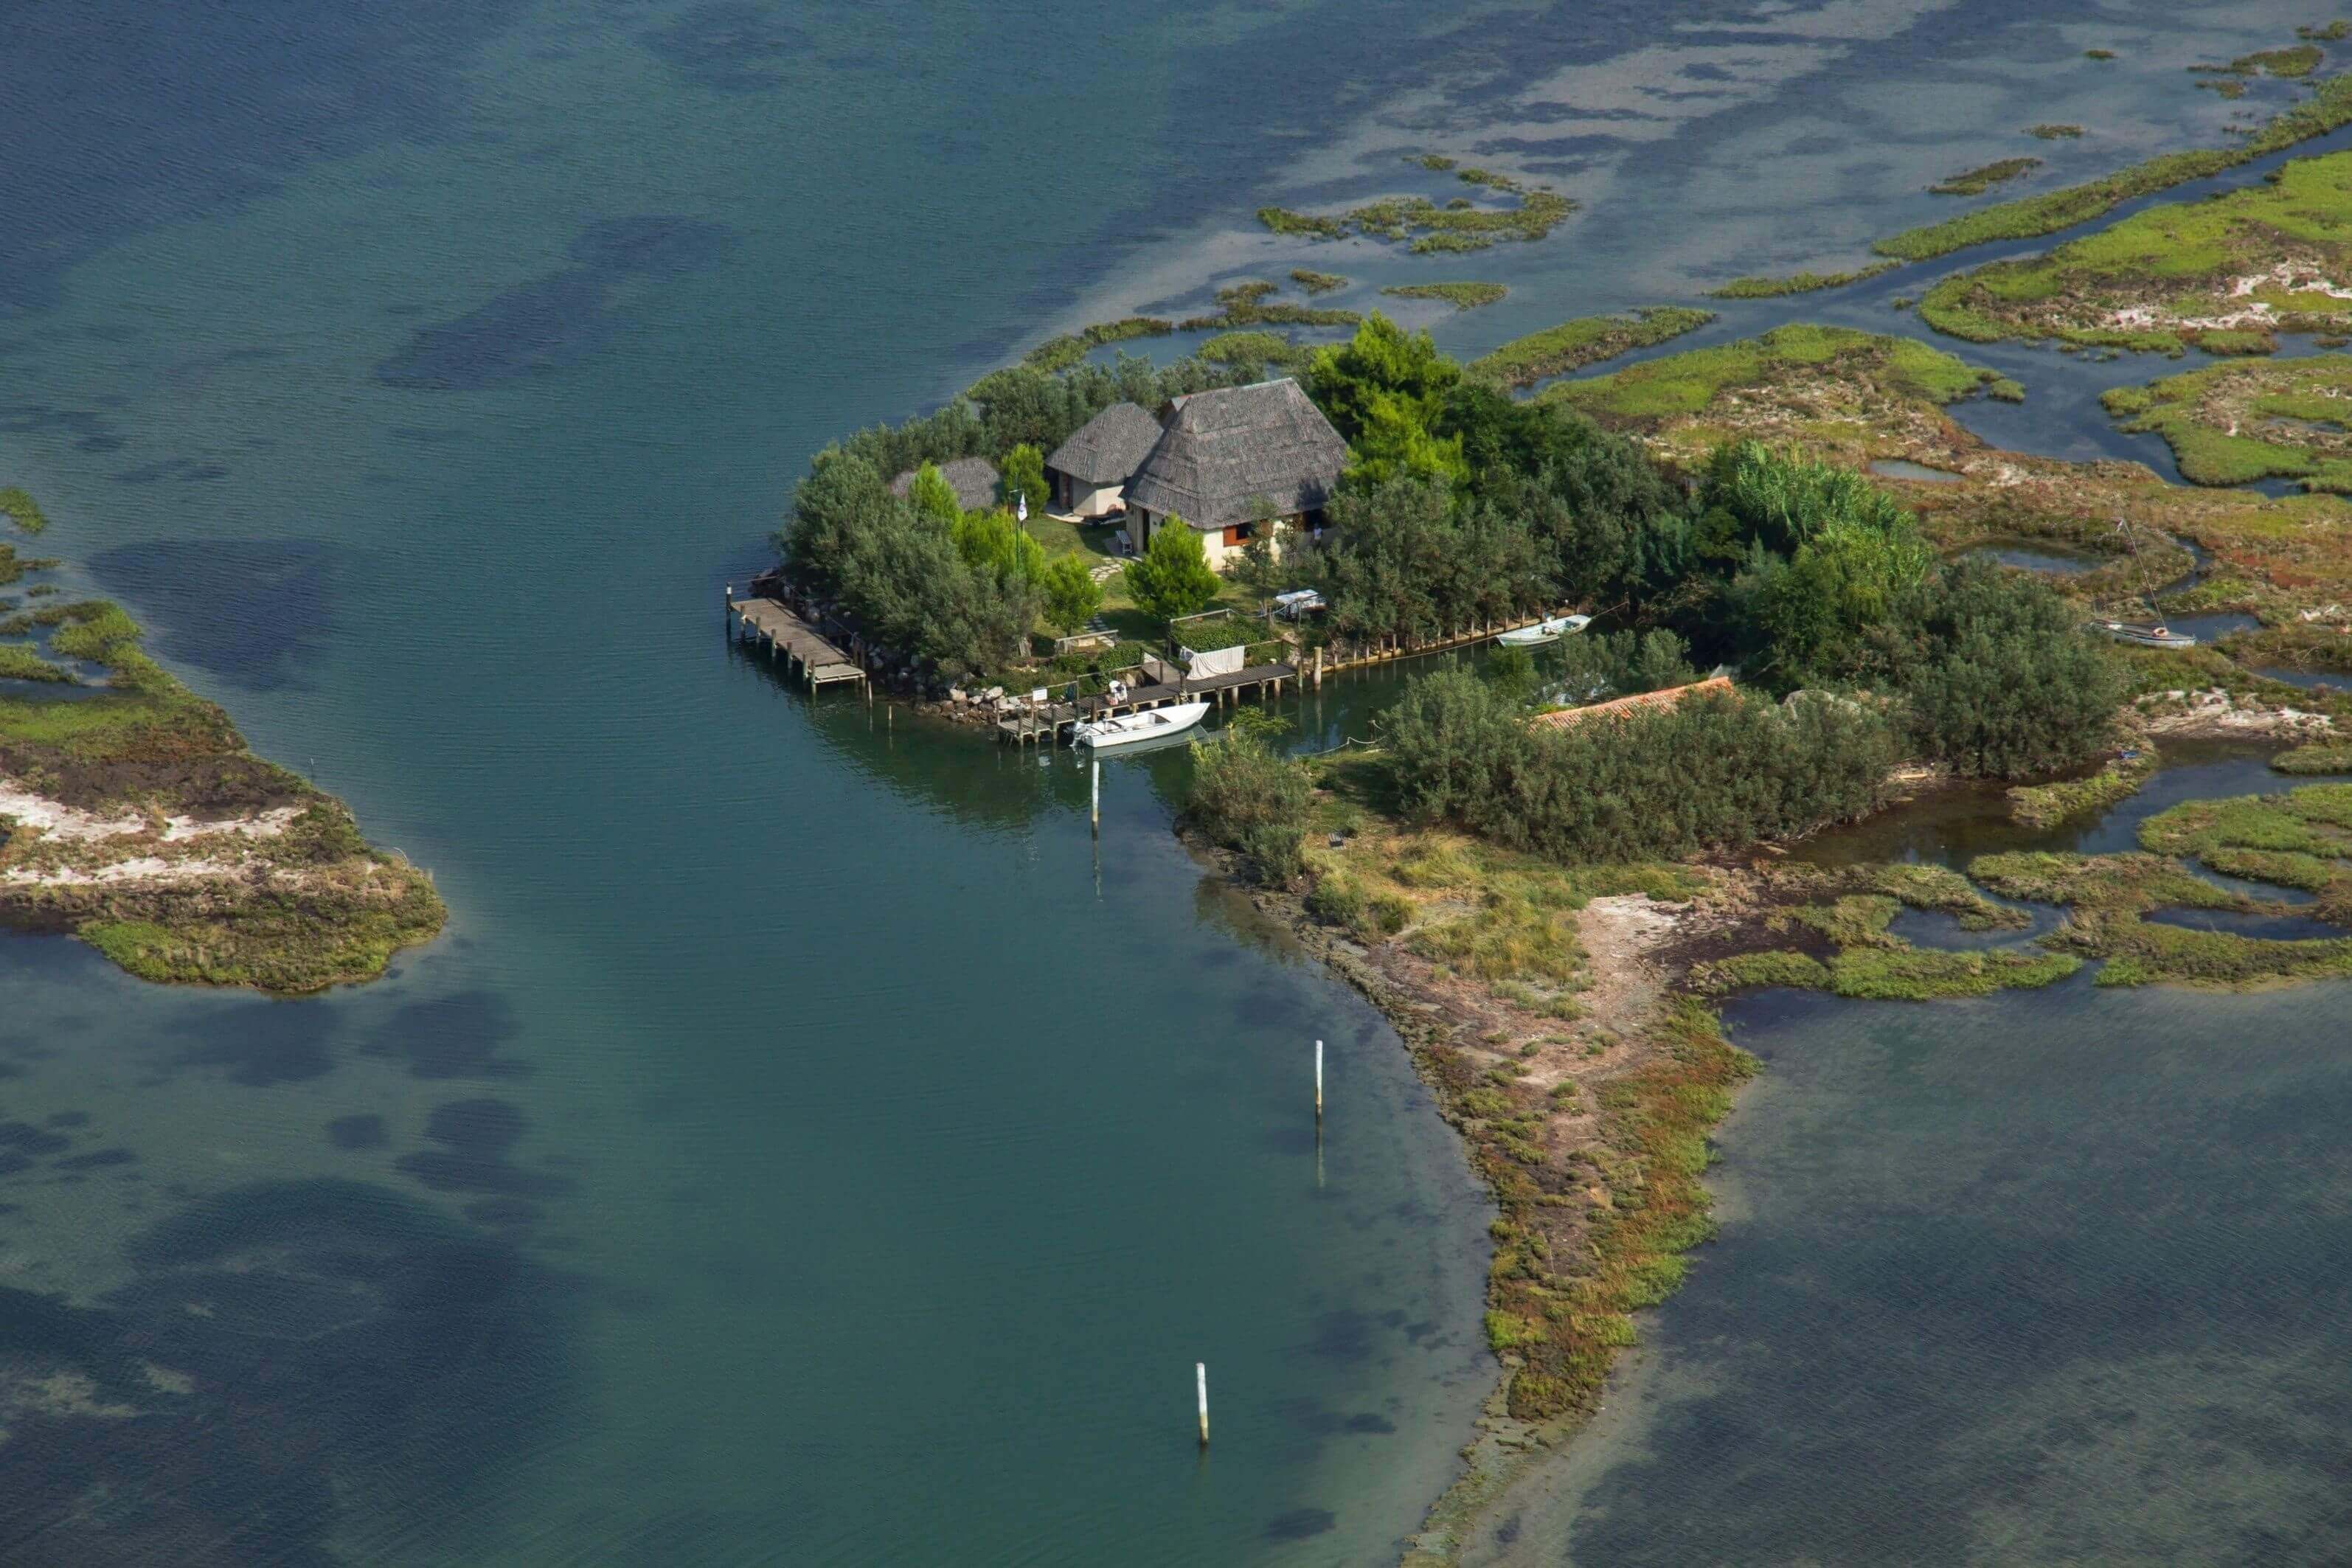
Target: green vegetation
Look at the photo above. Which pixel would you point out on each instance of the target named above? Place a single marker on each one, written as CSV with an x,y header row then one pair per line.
x,y
954,596
21,661
1254,348
2045,805
266,883
2054,132
2299,60
1976,181
2332,32
2315,759
1072,595
2263,257
1555,351
2234,424
2098,54
1712,770
1247,798
18,506
2299,839
1455,226
2028,216
1172,576
1244,304
1316,282
1689,382
1461,296
1798,283
1062,353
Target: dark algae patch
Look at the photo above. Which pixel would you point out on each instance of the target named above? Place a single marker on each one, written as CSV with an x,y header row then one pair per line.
x,y
285,1360
137,819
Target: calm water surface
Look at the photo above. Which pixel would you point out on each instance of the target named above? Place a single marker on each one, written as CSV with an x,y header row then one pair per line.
x,y
806,1146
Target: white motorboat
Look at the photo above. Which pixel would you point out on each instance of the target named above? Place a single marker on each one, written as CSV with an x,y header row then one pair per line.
x,y
1544,631
1152,725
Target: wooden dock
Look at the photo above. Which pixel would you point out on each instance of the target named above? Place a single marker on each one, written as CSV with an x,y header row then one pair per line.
x,y
789,637
1044,724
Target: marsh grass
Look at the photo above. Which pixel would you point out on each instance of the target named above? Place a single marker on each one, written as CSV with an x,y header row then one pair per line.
x,y
18,505
1461,296
1425,227
1975,182
2044,805
310,907
1316,282
1586,340
2029,216
1686,383
1774,288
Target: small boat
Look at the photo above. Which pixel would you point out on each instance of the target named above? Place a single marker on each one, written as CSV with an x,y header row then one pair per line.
x,y
2145,635
1125,729
1544,631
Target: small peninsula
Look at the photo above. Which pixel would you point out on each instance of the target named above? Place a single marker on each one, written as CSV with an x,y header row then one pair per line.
x,y
132,815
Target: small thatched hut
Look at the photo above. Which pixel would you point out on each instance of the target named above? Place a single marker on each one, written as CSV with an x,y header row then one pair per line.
x,y
1090,470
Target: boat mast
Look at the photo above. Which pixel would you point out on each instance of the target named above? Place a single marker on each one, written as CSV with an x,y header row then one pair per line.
x,y
2139,569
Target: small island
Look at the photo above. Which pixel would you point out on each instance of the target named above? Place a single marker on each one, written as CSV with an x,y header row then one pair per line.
x,y
133,816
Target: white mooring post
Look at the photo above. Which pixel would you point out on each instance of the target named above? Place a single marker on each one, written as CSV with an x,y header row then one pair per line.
x,y
1201,1379
1319,1081
1094,766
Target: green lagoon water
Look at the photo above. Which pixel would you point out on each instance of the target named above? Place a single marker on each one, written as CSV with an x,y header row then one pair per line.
x,y
806,1145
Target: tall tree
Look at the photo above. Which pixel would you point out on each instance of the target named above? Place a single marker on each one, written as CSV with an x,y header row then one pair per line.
x,y
1072,595
1172,576
1023,472
1384,391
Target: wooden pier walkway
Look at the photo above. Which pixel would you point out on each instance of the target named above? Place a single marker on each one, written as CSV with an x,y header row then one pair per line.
x,y
788,636
1046,723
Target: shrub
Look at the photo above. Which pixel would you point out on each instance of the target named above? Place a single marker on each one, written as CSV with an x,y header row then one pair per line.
x,y
1171,577
1248,797
1711,772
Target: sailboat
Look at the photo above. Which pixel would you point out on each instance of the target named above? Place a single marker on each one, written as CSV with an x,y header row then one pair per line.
x,y
1544,631
2151,632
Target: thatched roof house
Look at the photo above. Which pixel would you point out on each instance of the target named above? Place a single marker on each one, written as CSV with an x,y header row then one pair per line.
x,y
973,480
1226,457
1090,470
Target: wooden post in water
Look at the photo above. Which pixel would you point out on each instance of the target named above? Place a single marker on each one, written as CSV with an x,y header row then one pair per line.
x,y
1094,766
727,610
1319,1083
1201,1378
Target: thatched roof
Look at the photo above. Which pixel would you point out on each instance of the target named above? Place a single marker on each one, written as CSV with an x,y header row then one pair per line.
x,y
1221,452
973,480
1108,447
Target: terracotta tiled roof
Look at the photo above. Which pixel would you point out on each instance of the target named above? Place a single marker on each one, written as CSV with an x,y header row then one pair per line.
x,y
1568,717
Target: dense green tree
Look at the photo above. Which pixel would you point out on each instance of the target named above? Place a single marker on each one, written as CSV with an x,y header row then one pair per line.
x,y
1404,561
1172,576
1023,472
1248,796
2004,681
932,497
1384,391
1072,595
1710,772
996,545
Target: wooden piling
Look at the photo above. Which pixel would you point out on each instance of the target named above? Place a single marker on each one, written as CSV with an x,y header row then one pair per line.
x,y
1319,1083
1200,1380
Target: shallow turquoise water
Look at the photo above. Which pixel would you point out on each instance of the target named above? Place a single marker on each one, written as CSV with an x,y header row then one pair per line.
x,y
804,1146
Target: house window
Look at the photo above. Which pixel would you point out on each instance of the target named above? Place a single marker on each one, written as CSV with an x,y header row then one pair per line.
x,y
1240,534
